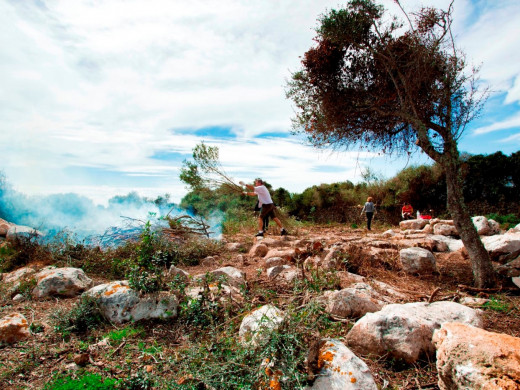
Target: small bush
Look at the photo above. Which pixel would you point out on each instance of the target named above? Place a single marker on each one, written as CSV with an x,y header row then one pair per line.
x,y
21,250
83,317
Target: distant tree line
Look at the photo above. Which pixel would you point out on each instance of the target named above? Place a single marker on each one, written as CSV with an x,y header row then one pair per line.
x,y
491,186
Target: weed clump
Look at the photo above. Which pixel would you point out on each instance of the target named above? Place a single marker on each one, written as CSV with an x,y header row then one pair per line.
x,y
84,316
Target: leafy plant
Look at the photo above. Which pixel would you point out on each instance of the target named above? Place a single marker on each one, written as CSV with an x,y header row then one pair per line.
x,y
497,304
84,316
85,381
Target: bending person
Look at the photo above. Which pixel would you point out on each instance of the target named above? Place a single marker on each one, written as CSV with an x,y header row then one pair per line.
x,y
266,206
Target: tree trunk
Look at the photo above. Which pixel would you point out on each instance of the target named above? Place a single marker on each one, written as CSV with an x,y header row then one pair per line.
x,y
483,272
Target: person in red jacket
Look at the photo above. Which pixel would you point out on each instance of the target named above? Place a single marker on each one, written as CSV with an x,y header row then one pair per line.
x,y
407,211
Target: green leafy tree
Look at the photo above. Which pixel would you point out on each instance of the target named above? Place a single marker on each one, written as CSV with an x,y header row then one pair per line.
x,y
393,86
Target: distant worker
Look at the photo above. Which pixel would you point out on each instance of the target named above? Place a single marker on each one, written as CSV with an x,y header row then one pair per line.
x,y
266,206
369,209
407,211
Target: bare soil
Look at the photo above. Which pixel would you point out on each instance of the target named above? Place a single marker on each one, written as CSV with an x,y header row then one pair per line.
x,y
31,364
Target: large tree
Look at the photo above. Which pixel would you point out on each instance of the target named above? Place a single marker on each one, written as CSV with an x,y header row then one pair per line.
x,y
376,82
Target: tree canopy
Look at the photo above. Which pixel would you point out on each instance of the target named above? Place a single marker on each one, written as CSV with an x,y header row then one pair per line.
x,y
377,82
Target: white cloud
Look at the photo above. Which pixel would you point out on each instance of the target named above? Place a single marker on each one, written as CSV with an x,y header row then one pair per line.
x,y
513,121
105,84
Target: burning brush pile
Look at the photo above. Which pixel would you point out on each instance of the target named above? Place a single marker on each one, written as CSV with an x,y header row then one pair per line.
x,y
173,228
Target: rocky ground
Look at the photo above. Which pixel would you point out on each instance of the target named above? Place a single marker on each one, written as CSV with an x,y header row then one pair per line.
x,y
150,349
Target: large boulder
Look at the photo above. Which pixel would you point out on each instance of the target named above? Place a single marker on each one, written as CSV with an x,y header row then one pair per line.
x,y
20,230
341,369
446,243
413,224
352,302
257,325
482,225
472,358
67,282
502,245
13,328
444,229
119,303
405,330
417,260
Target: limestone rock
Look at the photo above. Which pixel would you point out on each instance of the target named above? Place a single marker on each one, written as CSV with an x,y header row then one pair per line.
x,y
472,358
417,260
445,230
341,369
258,250
67,282
352,302
482,225
502,244
274,261
257,325
446,243
20,230
405,330
231,275
13,328
179,273
119,303
413,224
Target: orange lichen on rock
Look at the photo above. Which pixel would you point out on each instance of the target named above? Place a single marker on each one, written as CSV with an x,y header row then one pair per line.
x,y
325,358
115,288
353,380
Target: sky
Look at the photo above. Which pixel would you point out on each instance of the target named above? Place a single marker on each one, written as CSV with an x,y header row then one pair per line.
x,y
104,97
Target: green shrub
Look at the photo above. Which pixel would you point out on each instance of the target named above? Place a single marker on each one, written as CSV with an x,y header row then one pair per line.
x,y
505,221
84,316
85,381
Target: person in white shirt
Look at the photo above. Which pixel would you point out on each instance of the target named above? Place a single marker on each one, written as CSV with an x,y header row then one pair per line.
x,y
266,204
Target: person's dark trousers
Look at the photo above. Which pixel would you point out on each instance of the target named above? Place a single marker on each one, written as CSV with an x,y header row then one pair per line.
x,y
266,222
369,220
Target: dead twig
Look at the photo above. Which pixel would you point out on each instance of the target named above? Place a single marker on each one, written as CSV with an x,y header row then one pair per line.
x,y
433,294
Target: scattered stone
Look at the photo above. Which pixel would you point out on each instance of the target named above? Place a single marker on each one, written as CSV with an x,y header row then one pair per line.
x,y
258,250
81,359
341,369
473,302
119,303
257,325
482,225
417,261
273,272
233,276
274,261
443,229
13,328
18,298
446,243
472,358
413,224
502,244
177,272
67,282
209,261
352,302
405,330
234,246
